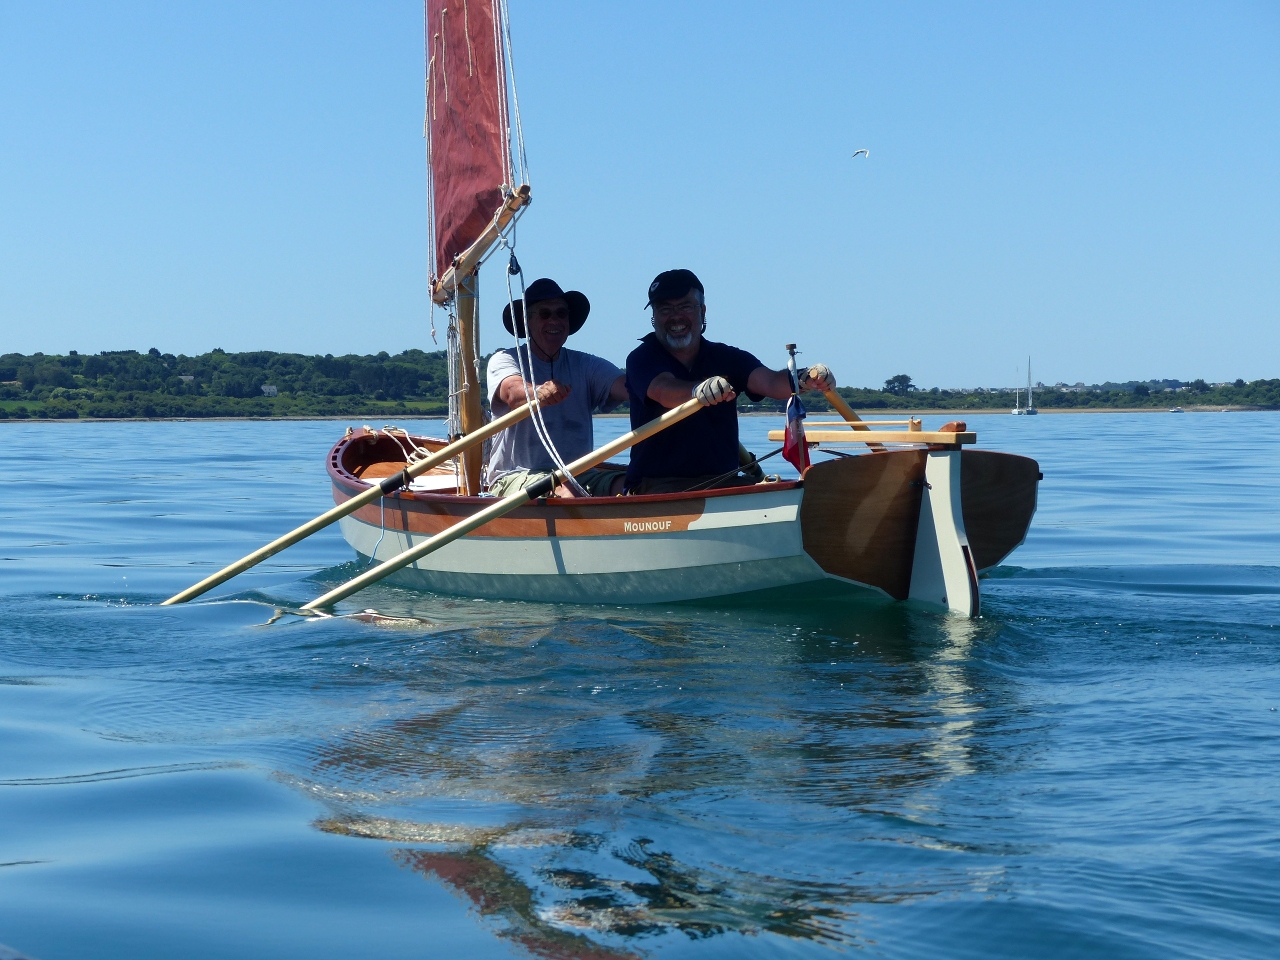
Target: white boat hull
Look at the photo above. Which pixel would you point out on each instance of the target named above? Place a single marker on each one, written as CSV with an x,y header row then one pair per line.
x,y
733,547
894,525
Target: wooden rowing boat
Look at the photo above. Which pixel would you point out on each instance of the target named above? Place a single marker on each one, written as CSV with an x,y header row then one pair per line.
x,y
920,522
912,516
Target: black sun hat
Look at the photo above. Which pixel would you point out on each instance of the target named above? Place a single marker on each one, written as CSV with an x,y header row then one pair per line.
x,y
544,289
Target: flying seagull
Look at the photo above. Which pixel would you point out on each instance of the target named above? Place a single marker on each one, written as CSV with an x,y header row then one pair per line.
x,y
866,153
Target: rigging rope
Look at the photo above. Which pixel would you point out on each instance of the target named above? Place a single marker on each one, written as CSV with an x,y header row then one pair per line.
x,y
466,33
531,397
714,481
373,554
504,121
520,156
428,114
410,456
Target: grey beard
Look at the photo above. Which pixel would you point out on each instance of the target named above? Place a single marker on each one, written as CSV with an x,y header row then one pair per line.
x,y
675,343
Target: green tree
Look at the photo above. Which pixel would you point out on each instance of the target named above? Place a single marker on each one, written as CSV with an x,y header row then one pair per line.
x,y
899,386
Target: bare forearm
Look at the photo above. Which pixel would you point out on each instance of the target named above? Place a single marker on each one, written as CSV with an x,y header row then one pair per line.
x,y
618,390
777,383
670,392
512,392
515,392
770,383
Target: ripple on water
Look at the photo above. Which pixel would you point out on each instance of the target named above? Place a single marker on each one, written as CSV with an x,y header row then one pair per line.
x,y
1091,767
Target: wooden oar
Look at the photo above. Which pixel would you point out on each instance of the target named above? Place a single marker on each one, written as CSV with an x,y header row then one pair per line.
x,y
378,490
846,411
504,506
843,408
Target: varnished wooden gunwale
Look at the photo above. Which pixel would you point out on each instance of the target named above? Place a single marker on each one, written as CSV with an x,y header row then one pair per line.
x,y
858,515
428,512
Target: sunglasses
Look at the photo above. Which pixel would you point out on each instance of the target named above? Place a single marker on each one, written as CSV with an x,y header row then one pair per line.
x,y
547,313
665,311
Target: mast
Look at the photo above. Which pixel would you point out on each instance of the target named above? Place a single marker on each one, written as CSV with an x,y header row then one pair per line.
x,y
472,172
470,410
1030,403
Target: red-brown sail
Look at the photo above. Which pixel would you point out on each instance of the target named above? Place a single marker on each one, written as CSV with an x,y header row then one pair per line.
x,y
467,135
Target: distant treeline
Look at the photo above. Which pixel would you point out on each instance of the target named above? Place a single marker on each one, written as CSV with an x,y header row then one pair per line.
x,y
129,384
126,383
900,393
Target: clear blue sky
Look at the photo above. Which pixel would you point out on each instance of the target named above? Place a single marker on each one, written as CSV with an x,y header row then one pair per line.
x,y
1097,185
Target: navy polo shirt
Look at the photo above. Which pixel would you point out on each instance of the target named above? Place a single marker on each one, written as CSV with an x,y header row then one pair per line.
x,y
699,445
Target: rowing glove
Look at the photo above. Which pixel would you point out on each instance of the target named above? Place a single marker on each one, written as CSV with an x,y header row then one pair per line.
x,y
713,390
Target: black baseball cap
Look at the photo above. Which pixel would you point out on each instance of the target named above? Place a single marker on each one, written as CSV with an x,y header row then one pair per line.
x,y
546,289
672,285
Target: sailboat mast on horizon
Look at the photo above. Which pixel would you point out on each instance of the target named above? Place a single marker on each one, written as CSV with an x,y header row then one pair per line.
x,y
1030,409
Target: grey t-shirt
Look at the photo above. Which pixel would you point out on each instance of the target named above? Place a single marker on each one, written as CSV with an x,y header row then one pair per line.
x,y
568,422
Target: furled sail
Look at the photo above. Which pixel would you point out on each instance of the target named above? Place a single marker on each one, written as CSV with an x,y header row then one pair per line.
x,y
468,125
471,181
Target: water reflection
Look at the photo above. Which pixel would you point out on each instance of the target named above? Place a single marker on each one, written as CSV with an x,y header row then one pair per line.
x,y
506,902
640,892
584,783
946,675
668,897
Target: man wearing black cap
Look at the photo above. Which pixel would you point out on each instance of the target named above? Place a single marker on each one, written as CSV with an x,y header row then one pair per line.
x,y
673,364
570,386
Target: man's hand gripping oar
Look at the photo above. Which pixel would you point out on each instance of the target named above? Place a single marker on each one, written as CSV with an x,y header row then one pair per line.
x,y
381,489
504,506
818,377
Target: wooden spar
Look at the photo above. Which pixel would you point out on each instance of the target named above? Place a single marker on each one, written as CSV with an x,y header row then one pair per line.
x,y
865,423
461,281
883,436
466,262
504,506
355,503
470,410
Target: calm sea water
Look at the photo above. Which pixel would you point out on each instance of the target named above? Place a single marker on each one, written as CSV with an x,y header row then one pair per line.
x,y
1091,769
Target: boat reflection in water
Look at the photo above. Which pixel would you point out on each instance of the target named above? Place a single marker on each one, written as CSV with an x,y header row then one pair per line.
x,y
584,783
946,676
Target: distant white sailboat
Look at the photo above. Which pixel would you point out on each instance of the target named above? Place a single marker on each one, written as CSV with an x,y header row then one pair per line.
x,y
1030,409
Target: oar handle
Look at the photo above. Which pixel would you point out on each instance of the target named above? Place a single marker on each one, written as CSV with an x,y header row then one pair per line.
x,y
503,506
380,489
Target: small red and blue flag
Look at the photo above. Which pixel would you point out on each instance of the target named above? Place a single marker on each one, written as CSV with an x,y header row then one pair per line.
x,y
794,446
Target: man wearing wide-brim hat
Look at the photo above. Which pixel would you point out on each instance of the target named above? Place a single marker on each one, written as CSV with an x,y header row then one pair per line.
x,y
570,386
675,363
